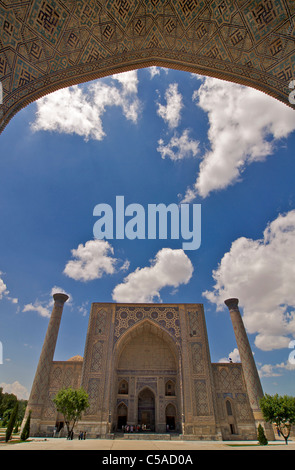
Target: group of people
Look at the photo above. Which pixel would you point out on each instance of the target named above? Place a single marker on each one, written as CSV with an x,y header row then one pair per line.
x,y
81,435
58,432
131,428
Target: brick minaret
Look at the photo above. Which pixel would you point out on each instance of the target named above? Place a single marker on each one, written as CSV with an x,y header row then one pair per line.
x,y
39,390
251,376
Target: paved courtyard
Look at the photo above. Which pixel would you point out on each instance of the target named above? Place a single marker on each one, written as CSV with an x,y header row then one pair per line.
x,y
109,445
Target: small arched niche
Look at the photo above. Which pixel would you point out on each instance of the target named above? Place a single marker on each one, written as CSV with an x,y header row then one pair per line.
x,y
123,387
169,388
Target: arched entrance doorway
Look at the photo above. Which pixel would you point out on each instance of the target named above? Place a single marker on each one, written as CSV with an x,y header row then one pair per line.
x,y
146,360
230,417
146,409
170,417
122,413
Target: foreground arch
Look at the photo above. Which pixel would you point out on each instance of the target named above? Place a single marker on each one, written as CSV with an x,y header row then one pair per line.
x,y
50,44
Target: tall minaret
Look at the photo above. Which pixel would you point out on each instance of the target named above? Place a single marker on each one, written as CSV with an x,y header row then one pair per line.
x,y
251,376
38,394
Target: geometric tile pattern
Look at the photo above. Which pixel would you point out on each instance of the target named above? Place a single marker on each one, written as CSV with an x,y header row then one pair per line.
x,y
63,375
194,323
96,360
197,358
229,383
168,346
49,44
93,391
201,402
166,317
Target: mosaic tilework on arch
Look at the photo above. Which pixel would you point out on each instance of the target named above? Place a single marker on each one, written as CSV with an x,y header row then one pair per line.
x,y
167,317
263,16
87,11
60,43
10,28
122,10
47,18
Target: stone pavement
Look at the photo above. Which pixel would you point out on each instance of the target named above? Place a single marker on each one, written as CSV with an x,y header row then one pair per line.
x,y
115,445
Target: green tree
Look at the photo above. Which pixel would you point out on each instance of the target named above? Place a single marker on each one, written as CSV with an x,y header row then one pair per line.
x,y
11,423
261,436
22,405
71,403
26,429
279,410
7,404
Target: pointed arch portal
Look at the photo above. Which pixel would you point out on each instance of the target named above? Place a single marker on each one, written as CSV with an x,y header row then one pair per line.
x,y
146,358
53,44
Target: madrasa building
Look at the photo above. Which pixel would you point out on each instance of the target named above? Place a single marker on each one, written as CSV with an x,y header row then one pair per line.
x,y
148,366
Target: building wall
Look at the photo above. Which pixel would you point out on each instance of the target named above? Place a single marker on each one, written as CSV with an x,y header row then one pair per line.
x,y
234,412
119,346
146,348
63,374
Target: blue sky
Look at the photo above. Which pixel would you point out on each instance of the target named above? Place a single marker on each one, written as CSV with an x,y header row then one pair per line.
x,y
153,136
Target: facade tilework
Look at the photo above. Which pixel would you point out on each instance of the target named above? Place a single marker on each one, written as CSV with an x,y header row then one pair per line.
x,y
146,363
49,44
166,317
47,19
230,387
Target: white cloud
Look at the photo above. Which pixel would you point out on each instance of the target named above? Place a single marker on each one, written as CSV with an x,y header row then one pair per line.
x,y
234,356
270,370
128,80
169,268
261,273
127,98
179,147
171,113
4,292
91,261
17,389
80,110
125,265
59,290
190,195
244,126
157,71
198,76
68,111
3,288
44,308
83,308
154,71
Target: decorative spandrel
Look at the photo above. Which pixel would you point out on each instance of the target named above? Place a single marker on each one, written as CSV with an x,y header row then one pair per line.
x,y
127,316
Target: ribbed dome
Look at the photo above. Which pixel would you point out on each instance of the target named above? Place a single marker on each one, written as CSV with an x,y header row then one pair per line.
x,y
76,358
